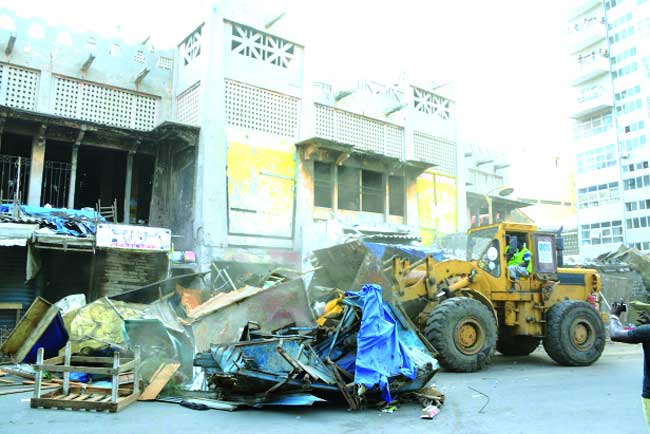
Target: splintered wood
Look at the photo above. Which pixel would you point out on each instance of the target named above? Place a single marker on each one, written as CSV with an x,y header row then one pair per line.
x,y
159,380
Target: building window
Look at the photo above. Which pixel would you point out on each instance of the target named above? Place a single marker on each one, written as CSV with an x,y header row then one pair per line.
x,y
598,195
396,195
602,233
372,191
323,184
349,188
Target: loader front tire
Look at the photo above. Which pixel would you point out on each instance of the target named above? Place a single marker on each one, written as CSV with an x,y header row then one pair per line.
x,y
517,345
575,334
464,332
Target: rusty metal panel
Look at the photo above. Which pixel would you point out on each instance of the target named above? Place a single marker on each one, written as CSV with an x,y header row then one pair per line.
x,y
271,308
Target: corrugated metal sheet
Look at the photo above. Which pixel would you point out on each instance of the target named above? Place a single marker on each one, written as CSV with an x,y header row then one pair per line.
x,y
13,288
15,234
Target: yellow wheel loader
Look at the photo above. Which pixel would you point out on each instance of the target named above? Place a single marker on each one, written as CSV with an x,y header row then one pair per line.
x,y
470,309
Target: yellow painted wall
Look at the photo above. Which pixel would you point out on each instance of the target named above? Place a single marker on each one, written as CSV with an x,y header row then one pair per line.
x,y
437,205
261,178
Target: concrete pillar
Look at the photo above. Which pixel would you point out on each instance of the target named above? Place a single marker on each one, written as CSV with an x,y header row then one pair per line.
x,y
411,197
44,101
210,192
36,171
409,117
72,185
304,192
127,187
335,188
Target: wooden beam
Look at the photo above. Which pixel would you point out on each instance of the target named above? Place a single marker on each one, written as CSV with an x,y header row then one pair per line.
x,y
141,75
10,44
89,61
308,151
159,380
341,158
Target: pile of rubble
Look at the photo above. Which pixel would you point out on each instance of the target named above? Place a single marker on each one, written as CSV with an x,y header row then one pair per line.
x,y
209,348
625,274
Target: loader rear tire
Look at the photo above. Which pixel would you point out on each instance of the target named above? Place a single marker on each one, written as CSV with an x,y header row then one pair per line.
x,y
517,345
575,334
464,332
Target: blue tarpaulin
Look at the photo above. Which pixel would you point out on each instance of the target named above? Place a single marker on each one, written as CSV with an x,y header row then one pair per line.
x,y
53,339
380,354
65,221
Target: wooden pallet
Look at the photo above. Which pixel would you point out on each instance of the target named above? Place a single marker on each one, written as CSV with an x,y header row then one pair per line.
x,y
79,397
82,401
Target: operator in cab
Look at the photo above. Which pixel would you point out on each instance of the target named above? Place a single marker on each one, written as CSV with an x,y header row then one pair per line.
x,y
519,261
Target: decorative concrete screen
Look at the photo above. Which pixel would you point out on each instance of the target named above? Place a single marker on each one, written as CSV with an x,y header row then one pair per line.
x,y
190,48
365,133
250,107
18,87
435,150
432,104
262,46
187,105
105,105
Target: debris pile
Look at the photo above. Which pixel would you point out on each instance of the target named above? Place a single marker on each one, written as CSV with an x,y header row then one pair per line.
x,y
625,274
365,351
206,346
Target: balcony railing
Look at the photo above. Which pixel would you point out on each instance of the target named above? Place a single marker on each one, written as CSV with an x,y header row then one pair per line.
x,y
590,66
586,32
591,101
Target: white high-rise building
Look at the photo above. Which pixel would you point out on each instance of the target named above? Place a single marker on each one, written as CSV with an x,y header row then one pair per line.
x,y
609,43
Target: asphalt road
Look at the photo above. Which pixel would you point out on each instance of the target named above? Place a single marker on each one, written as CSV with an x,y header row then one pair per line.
x,y
527,395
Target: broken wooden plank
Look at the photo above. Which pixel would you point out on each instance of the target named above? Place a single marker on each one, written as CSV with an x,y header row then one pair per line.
x,y
23,389
30,320
159,380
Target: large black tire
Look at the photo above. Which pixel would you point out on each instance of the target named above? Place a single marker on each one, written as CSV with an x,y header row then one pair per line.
x,y
464,332
517,345
575,334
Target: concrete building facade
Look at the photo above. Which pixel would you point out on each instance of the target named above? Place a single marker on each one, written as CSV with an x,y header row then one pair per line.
x,y
225,140
607,43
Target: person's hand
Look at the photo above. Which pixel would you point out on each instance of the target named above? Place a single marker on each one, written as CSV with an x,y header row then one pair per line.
x,y
617,308
644,318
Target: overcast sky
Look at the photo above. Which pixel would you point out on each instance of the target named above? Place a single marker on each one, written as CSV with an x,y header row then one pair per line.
x,y
506,58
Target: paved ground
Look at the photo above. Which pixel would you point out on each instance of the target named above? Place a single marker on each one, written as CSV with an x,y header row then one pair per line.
x,y
527,395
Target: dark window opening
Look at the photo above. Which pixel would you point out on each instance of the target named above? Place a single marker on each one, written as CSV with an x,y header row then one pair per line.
x,y
100,175
322,184
349,188
373,192
56,174
396,195
15,152
141,187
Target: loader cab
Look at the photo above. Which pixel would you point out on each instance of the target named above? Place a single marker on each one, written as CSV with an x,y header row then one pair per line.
x,y
491,246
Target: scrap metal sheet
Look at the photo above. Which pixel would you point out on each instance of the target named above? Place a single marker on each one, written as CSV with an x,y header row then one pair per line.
x,y
271,308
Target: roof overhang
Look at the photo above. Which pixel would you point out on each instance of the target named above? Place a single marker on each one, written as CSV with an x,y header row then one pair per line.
x,y
25,122
479,199
310,148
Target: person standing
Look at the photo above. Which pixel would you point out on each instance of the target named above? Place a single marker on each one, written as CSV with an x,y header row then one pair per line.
x,y
638,335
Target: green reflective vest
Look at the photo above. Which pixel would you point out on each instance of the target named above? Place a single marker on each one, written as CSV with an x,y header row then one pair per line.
x,y
521,256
